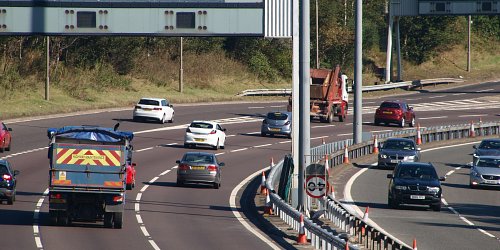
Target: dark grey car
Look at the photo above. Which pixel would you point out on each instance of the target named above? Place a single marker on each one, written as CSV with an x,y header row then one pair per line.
x,y
8,182
277,123
199,167
396,150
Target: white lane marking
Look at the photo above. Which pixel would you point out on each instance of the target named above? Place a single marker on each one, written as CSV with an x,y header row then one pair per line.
x,y
165,172
36,224
319,137
238,150
484,90
348,124
153,244
473,115
24,152
137,207
144,149
153,180
458,168
438,96
263,145
256,107
484,232
368,102
39,203
144,188
171,144
35,229
466,220
174,167
218,154
433,117
252,133
459,94
283,142
239,217
344,134
450,172
281,106
144,231
138,197
387,130
323,126
230,135
139,218
38,242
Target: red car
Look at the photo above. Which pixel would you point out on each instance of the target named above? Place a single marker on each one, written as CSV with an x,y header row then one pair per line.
x,y
130,176
397,112
5,138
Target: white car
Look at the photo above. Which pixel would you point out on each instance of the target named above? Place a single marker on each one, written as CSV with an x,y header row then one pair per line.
x,y
157,109
206,133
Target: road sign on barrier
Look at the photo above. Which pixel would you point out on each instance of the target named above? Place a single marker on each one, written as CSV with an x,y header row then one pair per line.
x,y
316,186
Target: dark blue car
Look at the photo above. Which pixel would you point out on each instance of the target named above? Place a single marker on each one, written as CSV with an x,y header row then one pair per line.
x,y
415,183
7,182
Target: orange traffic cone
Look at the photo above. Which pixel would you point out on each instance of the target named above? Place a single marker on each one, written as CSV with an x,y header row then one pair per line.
x,y
346,246
263,189
346,155
268,208
272,163
302,239
414,244
332,192
375,145
472,132
365,216
419,136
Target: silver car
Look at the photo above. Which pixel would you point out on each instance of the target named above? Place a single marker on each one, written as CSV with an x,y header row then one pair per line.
x,y
277,123
199,167
396,150
487,147
485,171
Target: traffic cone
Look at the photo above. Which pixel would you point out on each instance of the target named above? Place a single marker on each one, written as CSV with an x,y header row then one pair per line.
x,y
419,136
346,246
263,189
375,145
327,167
268,208
346,155
272,163
480,120
332,192
302,239
414,244
472,133
323,140
365,216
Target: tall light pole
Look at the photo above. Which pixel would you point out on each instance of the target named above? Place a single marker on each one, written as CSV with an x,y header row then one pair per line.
x,y
317,37
358,79
181,70
469,21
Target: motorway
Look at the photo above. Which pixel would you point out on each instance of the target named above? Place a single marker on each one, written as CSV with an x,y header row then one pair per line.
x,y
160,215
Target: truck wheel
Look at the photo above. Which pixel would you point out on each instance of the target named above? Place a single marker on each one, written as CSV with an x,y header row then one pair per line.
x,y
342,118
108,219
63,219
53,217
118,220
330,118
129,186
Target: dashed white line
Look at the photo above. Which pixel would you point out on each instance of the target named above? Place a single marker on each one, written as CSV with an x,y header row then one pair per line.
x,y
344,134
256,107
216,154
137,207
323,126
40,202
174,167
38,242
144,231
413,99
484,232
473,115
238,150
283,142
139,218
144,188
263,145
439,96
450,172
165,172
466,220
153,180
35,229
459,94
484,90
434,117
138,197
153,244
319,137
230,135
281,106
144,149
252,133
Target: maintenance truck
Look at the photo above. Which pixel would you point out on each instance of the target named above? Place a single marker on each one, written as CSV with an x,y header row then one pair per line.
x,y
328,94
87,176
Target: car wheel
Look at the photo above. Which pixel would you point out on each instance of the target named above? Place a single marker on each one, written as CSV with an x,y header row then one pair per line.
x,y
135,119
179,183
436,207
412,122
377,122
392,203
216,185
289,136
216,147
10,200
402,122
171,119
63,219
186,145
2,148
162,121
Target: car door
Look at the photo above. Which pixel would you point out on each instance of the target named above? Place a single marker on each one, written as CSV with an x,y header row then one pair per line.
x,y
167,109
408,115
5,135
222,135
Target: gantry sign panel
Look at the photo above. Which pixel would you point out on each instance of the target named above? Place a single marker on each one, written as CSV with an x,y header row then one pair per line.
x,y
267,18
440,7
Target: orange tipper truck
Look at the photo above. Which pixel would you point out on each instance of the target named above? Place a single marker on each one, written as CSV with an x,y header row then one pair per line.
x,y
87,174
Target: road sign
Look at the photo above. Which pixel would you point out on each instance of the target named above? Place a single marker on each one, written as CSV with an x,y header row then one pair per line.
x,y
316,186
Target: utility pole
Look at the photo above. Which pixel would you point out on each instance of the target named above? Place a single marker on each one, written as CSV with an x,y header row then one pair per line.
x,y
47,73
317,37
181,71
468,42
358,77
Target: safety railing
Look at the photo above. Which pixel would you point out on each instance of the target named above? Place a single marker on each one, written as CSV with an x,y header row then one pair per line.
x,y
368,235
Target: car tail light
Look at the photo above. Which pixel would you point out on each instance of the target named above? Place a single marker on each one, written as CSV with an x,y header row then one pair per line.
x,y
157,109
137,107
183,167
188,130
213,132
118,198
55,196
7,177
212,168
287,123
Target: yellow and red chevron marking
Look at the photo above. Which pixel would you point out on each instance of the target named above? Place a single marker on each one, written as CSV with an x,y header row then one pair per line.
x,y
113,183
88,157
61,182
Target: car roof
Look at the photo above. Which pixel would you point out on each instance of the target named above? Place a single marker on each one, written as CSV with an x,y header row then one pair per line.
x,y
492,139
400,139
152,98
198,153
202,121
418,164
494,157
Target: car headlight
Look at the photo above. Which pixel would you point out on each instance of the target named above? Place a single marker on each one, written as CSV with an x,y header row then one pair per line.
x,y
411,157
400,187
474,173
433,189
382,156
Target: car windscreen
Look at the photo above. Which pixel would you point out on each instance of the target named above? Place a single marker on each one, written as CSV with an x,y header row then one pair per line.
x,y
198,158
490,145
416,172
400,145
389,105
201,125
488,163
277,116
149,102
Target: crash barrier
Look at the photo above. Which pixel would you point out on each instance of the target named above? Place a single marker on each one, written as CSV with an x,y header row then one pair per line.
x,y
394,85
370,236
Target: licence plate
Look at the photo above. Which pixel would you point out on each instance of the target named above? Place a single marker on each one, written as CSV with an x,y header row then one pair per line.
x,y
275,129
491,182
198,168
387,112
394,161
417,197
199,139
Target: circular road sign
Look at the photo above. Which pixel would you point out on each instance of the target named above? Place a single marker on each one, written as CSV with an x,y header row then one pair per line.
x,y
316,186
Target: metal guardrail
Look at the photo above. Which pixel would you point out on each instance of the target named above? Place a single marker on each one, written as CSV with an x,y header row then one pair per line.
x,y
368,235
407,85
